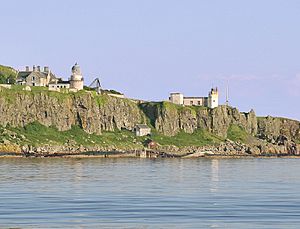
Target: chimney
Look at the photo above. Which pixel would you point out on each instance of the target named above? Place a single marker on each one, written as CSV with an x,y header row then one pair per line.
x,y
38,68
27,68
34,68
46,69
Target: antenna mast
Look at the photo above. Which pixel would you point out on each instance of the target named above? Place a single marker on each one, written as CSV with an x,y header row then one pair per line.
x,y
227,95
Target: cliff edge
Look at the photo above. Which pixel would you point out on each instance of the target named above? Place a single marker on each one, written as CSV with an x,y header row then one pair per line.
x,y
47,121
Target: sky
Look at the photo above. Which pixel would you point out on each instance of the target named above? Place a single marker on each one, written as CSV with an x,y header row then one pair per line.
x,y
147,49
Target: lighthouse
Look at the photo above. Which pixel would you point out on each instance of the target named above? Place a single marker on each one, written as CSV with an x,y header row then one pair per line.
x,y
76,81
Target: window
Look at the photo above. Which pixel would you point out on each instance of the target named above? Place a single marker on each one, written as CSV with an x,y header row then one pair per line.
x,y
199,103
33,78
191,103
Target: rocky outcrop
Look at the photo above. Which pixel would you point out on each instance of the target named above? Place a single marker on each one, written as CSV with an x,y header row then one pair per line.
x,y
91,112
230,148
170,119
278,129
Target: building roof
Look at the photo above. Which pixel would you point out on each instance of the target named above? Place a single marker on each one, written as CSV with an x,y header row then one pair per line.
x,y
25,74
76,69
59,82
63,81
195,97
175,93
22,75
142,126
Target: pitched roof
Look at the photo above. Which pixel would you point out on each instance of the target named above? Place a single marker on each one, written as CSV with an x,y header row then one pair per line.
x,y
142,126
24,74
194,97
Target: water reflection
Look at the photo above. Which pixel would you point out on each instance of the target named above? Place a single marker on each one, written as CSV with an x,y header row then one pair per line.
x,y
214,175
133,193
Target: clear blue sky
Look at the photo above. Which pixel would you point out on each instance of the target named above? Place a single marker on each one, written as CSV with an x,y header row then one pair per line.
x,y
147,49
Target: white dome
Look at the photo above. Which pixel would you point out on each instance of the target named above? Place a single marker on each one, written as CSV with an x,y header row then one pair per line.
x,y
76,69
76,73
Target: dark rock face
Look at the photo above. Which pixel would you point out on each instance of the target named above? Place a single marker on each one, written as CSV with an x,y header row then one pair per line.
x,y
63,111
169,120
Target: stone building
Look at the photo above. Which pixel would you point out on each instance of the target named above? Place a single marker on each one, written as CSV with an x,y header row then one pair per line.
x,y
142,130
211,101
36,77
74,84
76,80
45,78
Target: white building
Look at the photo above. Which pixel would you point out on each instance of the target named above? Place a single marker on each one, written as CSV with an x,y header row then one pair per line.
x,y
76,80
211,101
213,98
142,130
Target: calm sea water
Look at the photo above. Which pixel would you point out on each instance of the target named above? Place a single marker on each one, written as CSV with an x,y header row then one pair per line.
x,y
144,193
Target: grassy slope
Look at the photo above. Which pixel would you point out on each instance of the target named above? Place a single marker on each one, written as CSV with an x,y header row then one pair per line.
x,y
7,73
198,138
237,133
38,135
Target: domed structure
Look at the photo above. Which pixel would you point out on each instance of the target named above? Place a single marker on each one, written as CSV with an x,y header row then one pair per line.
x,y
76,81
76,69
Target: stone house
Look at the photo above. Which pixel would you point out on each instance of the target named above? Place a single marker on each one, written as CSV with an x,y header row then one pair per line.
x,y
36,77
45,78
142,130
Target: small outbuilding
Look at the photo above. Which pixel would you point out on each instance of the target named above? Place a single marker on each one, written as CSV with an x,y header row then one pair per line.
x,y
142,130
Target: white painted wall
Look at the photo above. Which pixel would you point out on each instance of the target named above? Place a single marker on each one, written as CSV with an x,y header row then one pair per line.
x,y
176,98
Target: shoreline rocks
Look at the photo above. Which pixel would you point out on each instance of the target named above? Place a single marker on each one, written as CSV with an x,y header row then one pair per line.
x,y
228,148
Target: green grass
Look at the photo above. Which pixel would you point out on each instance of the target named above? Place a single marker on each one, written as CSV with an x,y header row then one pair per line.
x,y
237,133
198,138
38,88
7,74
37,134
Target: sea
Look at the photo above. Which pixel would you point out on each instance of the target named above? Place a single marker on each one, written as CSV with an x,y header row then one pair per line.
x,y
149,193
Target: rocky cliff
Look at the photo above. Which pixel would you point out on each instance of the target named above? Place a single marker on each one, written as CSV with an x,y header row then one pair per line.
x,y
170,119
95,114
91,112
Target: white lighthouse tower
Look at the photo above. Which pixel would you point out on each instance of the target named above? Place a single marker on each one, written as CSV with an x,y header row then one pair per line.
x,y
76,81
213,98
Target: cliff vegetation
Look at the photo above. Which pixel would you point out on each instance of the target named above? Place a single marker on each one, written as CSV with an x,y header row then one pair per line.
x,y
100,122
7,75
